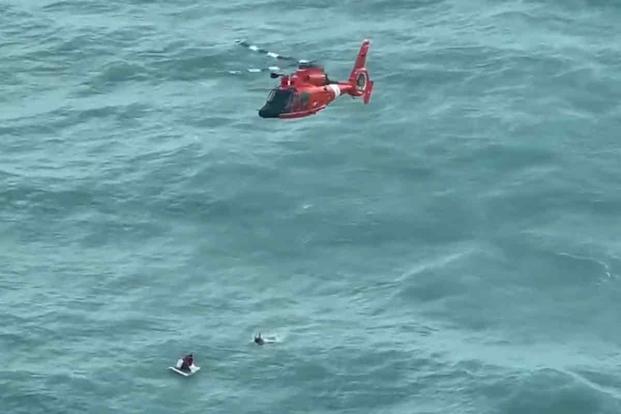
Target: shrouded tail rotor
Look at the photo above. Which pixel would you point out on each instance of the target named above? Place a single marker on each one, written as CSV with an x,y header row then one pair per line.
x,y
359,76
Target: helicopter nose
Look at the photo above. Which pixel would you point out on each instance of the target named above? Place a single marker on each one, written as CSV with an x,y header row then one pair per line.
x,y
266,113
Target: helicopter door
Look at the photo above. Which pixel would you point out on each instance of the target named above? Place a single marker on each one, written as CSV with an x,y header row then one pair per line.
x,y
304,99
300,102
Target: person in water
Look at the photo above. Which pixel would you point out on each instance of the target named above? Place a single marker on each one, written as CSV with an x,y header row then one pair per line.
x,y
258,340
187,362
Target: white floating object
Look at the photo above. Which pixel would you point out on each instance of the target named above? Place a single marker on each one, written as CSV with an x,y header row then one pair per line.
x,y
193,370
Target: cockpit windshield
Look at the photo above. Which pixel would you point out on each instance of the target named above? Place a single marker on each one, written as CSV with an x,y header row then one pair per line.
x,y
279,98
278,102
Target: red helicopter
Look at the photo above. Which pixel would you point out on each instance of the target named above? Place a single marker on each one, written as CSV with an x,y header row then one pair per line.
x,y
309,90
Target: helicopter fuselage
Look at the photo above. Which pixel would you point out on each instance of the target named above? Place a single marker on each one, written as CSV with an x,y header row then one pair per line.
x,y
303,93
309,90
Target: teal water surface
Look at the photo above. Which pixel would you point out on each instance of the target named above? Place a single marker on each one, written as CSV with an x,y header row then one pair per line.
x,y
452,247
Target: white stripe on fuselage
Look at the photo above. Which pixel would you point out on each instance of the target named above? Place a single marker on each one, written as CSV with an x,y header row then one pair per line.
x,y
335,89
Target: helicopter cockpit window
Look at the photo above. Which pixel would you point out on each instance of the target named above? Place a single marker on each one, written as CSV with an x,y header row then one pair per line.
x,y
278,99
279,95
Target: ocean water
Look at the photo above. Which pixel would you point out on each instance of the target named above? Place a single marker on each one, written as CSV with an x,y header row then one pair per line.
x,y
452,247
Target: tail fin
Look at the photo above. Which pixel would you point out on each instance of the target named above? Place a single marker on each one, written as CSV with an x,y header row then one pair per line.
x,y
359,77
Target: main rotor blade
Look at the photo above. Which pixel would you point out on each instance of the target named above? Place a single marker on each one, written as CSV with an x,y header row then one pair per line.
x,y
266,52
256,70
